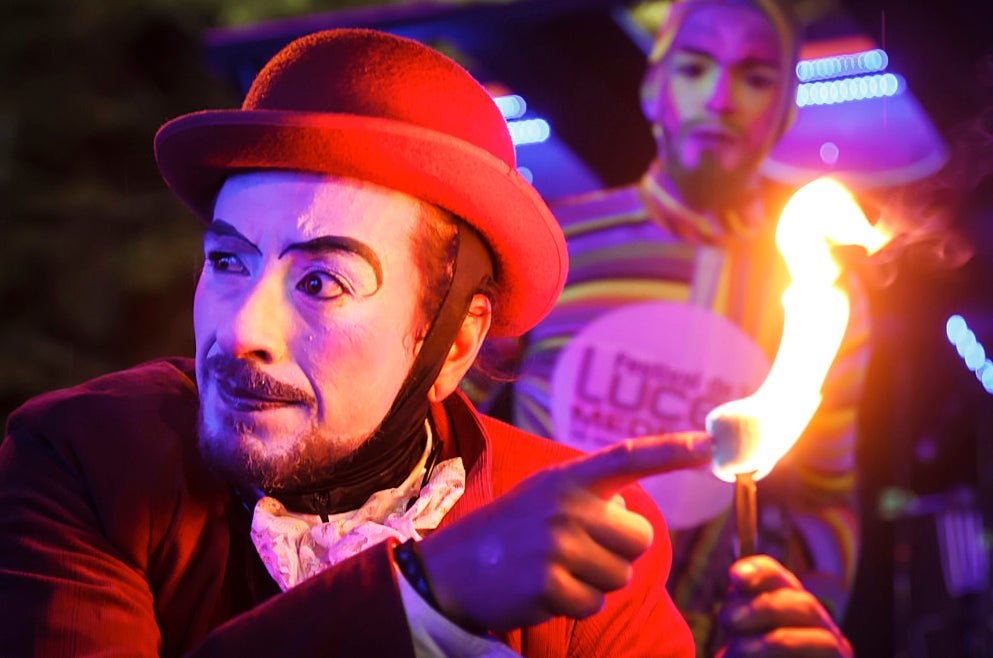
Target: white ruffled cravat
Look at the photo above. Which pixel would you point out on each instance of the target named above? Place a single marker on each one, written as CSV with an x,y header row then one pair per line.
x,y
296,546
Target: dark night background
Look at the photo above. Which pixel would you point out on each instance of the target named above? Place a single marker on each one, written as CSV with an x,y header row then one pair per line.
x,y
98,261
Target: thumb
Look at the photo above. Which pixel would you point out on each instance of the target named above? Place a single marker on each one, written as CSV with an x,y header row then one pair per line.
x,y
607,471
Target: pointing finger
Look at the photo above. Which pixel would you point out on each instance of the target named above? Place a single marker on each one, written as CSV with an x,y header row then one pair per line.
x,y
609,470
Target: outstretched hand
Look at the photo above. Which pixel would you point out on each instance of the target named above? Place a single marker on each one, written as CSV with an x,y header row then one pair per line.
x,y
769,614
556,543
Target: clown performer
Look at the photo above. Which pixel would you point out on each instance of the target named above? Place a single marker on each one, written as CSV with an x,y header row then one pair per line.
x,y
312,483
672,306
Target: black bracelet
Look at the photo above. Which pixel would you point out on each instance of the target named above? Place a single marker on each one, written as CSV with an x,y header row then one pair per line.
x,y
408,558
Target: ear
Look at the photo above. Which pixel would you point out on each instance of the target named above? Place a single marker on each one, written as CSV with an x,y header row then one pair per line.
x,y
462,354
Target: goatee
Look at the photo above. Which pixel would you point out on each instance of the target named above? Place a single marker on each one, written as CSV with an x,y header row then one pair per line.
x,y
708,187
231,447
245,462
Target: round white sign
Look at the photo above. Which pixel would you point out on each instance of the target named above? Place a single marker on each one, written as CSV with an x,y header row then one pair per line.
x,y
652,368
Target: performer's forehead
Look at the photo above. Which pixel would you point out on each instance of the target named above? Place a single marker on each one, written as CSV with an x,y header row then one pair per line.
x,y
705,31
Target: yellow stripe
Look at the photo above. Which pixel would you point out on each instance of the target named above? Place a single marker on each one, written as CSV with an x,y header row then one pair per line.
x,y
634,290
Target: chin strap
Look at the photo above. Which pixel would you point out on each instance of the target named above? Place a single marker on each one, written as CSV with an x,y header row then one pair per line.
x,y
388,457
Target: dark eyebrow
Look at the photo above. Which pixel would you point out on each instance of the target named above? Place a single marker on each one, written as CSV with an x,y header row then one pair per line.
x,y
330,243
317,246
748,62
222,228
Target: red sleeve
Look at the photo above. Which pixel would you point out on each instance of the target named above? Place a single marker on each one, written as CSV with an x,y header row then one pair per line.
x,y
66,590
352,609
103,554
641,619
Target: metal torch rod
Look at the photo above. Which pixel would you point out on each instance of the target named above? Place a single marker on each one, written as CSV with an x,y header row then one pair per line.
x,y
745,513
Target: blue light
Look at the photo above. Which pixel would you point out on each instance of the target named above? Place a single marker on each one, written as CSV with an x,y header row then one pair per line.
x,y
987,378
511,106
826,68
830,92
970,349
975,357
965,343
522,131
529,131
844,78
954,327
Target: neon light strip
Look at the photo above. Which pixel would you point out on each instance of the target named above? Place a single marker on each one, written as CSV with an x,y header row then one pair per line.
x,y
838,66
512,106
524,131
971,350
830,92
529,131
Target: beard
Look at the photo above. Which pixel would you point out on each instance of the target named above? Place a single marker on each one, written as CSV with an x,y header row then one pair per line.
x,y
267,458
709,186
235,453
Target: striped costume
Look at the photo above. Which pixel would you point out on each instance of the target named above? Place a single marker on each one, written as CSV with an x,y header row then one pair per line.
x,y
636,244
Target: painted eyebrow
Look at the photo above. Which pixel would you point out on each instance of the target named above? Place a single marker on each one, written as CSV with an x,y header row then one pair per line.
x,y
316,247
221,228
331,243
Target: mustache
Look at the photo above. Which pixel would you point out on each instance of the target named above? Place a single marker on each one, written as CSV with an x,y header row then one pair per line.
x,y
245,378
711,124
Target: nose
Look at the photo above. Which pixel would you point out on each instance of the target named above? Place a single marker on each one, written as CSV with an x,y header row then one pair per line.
x,y
722,97
253,325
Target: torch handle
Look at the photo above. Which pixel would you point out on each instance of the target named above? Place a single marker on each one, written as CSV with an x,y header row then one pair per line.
x,y
745,512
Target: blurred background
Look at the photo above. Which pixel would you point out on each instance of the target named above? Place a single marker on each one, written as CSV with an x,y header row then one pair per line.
x,y
98,261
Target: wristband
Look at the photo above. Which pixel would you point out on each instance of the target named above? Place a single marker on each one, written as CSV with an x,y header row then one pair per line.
x,y
408,559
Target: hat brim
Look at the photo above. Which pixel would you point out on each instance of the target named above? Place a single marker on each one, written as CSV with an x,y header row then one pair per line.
x,y
196,152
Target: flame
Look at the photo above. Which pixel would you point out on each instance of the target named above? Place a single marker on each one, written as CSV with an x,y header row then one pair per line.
x,y
753,433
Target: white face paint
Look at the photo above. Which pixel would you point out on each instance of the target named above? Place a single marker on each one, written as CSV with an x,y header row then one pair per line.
x,y
306,317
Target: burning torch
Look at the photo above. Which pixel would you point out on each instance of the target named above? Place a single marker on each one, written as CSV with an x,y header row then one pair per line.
x,y
751,434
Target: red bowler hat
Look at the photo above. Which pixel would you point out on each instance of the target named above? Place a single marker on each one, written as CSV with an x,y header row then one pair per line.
x,y
391,111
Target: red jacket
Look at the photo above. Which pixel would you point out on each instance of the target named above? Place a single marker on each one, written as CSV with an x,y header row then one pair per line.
x,y
116,539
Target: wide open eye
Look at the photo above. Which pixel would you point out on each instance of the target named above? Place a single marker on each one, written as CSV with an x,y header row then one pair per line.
x,y
321,285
